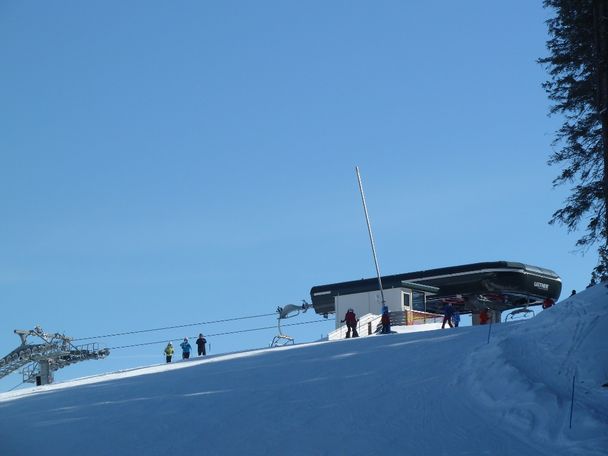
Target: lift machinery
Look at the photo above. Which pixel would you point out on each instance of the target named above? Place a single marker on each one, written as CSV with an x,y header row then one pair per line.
x,y
47,353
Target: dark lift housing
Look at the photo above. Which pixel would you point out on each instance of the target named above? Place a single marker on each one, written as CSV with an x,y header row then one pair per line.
x,y
499,285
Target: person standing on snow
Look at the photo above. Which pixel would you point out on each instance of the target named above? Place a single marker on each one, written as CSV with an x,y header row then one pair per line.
x,y
484,317
200,343
351,323
169,352
448,311
548,303
456,318
186,347
386,321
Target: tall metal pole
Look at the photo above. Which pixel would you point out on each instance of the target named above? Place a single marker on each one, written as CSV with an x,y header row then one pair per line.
x,y
371,236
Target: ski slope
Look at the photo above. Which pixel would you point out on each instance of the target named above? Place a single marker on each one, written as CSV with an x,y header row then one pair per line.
x,y
442,392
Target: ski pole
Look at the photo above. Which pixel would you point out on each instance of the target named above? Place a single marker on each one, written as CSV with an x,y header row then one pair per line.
x,y
489,332
572,400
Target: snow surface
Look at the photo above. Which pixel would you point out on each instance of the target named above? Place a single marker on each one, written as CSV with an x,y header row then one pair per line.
x,y
443,392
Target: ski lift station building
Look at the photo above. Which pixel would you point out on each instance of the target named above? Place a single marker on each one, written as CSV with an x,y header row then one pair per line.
x,y
498,286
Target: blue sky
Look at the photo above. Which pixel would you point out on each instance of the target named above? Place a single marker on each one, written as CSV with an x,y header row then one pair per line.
x,y
164,164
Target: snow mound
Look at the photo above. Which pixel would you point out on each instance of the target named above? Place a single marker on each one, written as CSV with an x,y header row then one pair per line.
x,y
531,371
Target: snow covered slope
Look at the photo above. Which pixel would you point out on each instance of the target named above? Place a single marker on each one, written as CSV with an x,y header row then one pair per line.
x,y
445,392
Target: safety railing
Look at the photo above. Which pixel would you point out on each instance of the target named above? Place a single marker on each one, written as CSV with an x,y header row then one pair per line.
x,y
418,317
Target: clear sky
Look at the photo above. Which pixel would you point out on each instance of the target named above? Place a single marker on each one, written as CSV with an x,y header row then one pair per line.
x,y
168,163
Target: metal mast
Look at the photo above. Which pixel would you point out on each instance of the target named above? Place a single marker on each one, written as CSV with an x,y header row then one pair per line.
x,y
371,236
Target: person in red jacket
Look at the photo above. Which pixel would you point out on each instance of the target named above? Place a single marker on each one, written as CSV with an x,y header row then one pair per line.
x,y
484,317
351,323
548,303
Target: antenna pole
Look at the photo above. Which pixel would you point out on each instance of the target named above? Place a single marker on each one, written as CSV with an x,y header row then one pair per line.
x,y
371,236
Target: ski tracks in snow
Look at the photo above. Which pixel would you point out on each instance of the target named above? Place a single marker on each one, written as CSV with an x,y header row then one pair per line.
x,y
526,384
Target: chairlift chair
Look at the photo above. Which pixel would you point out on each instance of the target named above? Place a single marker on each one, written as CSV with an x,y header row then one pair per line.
x,y
520,314
288,311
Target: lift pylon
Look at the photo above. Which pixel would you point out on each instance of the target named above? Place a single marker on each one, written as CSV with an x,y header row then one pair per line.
x,y
40,360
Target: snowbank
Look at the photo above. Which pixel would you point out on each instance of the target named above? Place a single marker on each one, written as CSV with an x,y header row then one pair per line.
x,y
531,370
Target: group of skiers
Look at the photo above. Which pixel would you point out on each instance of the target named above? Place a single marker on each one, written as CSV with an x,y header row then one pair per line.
x,y
201,343
351,321
450,316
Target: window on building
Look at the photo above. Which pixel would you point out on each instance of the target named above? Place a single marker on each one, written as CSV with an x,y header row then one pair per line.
x,y
418,301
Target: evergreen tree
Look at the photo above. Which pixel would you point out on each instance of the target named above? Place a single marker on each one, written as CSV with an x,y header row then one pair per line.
x,y
578,87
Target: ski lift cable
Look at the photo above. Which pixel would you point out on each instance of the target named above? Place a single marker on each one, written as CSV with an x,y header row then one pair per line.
x,y
173,327
16,386
216,334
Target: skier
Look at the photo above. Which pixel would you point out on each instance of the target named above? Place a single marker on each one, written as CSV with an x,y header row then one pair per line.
x,y
573,293
456,318
186,347
448,311
548,303
351,323
386,322
483,316
169,352
200,342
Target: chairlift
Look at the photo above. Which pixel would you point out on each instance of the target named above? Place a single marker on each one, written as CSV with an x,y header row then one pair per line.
x,y
520,314
285,312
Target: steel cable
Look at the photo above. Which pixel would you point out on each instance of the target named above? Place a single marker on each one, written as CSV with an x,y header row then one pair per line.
x,y
217,334
173,327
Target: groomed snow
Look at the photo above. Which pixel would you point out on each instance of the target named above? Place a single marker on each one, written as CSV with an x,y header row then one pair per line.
x,y
442,392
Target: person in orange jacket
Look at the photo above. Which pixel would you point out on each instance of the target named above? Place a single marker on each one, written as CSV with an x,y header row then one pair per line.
x,y
484,317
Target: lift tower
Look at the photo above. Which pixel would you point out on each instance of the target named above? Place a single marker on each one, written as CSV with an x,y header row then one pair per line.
x,y
52,351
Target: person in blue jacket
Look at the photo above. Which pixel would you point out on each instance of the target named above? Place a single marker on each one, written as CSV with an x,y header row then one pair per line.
x,y
448,311
186,347
386,322
456,318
